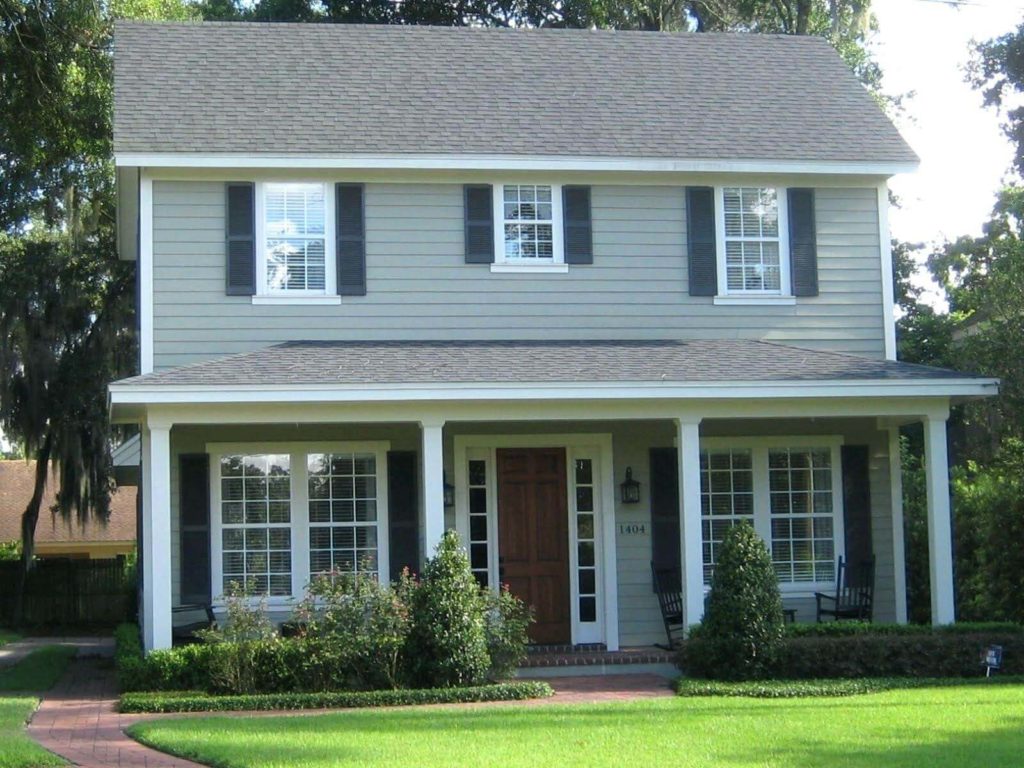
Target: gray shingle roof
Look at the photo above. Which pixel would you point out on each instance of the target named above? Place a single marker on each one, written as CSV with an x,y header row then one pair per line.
x,y
335,89
511,362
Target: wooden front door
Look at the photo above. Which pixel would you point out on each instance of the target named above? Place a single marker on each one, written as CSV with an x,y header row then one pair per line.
x,y
533,548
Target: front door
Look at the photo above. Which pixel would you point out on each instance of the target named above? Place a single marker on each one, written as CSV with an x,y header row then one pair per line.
x,y
533,549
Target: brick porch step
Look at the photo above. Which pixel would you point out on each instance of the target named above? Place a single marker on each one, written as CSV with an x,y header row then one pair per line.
x,y
593,656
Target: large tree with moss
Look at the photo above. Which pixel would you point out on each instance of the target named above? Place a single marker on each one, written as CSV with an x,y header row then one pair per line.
x,y
65,299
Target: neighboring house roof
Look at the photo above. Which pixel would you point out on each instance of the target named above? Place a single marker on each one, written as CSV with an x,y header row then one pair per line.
x,y
509,362
340,89
17,479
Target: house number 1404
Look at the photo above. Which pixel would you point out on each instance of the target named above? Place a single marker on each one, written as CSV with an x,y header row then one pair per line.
x,y
633,529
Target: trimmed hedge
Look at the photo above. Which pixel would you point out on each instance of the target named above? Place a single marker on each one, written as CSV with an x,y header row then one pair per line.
x,y
847,628
797,689
856,652
188,701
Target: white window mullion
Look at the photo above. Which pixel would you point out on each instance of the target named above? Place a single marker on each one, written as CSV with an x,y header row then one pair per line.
x,y
762,496
300,525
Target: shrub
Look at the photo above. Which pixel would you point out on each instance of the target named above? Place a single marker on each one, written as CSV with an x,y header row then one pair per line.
x,y
447,644
190,701
507,620
355,630
929,654
842,650
742,629
989,506
128,658
794,689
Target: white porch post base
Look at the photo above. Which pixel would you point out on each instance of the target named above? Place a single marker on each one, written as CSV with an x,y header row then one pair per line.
x,y
433,486
940,534
156,537
689,520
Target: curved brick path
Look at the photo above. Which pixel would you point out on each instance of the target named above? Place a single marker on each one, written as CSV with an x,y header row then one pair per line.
x,y
78,719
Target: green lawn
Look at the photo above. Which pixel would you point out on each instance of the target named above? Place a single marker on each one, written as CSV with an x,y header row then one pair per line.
x,y
16,749
36,673
970,726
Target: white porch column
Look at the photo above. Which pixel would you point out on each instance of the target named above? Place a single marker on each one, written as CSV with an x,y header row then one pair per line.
x,y
899,550
689,520
156,536
433,485
940,532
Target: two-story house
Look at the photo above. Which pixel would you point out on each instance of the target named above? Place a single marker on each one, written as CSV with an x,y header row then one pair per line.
x,y
398,280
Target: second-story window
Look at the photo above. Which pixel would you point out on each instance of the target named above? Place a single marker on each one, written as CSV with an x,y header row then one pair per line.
x,y
752,234
528,224
295,239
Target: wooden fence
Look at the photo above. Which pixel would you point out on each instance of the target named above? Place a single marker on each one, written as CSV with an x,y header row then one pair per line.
x,y
64,593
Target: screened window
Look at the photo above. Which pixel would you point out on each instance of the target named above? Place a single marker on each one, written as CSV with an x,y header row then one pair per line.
x,y
726,498
342,513
753,246
528,223
295,238
256,523
802,514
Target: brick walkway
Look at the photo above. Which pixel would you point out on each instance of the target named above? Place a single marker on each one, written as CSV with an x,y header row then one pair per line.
x,y
79,722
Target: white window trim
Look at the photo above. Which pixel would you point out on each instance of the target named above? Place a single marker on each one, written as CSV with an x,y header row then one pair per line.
x,y
557,263
330,293
759,447
300,509
784,295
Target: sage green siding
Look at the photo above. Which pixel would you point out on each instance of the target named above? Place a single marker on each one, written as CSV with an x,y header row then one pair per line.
x,y
419,288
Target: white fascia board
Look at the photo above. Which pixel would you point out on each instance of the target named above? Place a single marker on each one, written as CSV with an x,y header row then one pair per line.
x,y
506,163
128,394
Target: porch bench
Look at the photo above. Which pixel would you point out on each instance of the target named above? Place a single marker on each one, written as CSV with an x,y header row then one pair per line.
x,y
189,618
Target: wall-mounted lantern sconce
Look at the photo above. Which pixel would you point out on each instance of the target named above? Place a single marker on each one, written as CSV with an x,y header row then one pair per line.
x,y
630,488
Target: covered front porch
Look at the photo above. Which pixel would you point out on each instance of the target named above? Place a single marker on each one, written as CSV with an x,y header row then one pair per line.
x,y
279,464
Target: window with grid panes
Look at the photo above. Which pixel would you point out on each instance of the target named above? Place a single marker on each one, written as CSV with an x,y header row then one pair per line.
x,y
255,499
342,513
752,242
726,498
528,222
295,238
802,514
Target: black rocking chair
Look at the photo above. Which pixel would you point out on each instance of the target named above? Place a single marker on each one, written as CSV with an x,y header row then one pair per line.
x,y
188,619
855,593
668,586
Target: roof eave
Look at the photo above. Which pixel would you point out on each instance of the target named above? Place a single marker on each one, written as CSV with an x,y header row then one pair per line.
x,y
477,162
145,394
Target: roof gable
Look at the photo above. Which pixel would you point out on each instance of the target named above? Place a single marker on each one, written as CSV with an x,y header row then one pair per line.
x,y
334,89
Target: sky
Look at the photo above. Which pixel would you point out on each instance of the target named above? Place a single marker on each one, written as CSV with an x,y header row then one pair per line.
x,y
923,46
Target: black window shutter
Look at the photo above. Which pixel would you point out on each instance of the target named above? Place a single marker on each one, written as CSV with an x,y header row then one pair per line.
x,y
241,238
479,202
579,247
350,231
194,498
403,512
803,243
857,504
665,546
702,251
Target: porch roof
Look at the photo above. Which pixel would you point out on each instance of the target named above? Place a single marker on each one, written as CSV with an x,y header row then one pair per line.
x,y
323,364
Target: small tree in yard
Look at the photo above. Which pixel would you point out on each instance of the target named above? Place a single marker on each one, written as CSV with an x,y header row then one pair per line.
x,y
448,642
742,629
